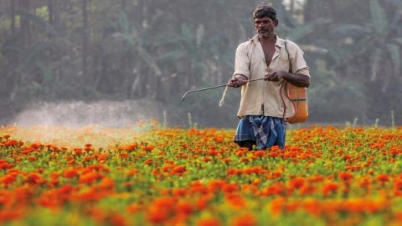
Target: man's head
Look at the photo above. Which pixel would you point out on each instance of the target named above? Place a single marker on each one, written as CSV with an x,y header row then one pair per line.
x,y
265,21
264,11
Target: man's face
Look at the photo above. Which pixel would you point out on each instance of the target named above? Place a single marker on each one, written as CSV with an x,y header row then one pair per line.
x,y
265,26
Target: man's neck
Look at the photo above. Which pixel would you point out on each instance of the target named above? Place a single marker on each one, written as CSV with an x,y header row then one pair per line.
x,y
267,39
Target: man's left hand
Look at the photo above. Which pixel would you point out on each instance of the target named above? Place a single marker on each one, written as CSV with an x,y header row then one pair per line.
x,y
275,76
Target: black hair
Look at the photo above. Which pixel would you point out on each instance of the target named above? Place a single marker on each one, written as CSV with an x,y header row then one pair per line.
x,y
264,11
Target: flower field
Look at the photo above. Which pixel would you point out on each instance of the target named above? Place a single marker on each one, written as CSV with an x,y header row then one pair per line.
x,y
171,176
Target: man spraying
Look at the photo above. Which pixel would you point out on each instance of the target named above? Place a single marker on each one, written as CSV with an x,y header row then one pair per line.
x,y
274,62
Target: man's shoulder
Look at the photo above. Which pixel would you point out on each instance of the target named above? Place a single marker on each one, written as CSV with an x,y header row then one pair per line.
x,y
247,43
291,45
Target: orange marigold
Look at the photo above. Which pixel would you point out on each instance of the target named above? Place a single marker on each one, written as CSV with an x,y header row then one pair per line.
x,y
178,170
70,173
345,176
209,222
383,178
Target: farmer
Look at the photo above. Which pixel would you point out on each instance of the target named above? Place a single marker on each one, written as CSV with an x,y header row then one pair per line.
x,y
263,105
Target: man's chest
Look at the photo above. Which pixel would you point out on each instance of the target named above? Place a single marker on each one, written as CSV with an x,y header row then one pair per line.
x,y
268,53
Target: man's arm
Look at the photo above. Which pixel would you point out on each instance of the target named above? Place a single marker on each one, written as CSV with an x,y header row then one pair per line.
x,y
237,81
295,79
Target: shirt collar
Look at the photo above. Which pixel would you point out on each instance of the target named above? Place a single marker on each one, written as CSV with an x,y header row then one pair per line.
x,y
279,41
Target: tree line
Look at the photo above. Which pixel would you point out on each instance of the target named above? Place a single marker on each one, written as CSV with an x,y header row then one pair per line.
x,y
52,50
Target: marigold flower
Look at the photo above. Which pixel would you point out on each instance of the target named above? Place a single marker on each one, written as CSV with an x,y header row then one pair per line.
x,y
66,189
212,152
179,170
274,189
124,155
8,179
117,219
9,215
34,178
90,177
106,184
179,192
383,178
275,175
316,179
10,143
259,153
78,151
209,222
245,160
345,176
330,188
132,172
278,205
231,172
235,200
148,161
226,160
228,188
184,208
216,185
149,147
307,189
5,165
239,153
312,206
70,173
134,208
398,184
297,182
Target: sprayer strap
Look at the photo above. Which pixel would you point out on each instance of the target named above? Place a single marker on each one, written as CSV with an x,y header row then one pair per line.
x,y
299,99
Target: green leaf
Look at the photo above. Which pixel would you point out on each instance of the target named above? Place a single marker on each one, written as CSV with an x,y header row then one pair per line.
x,y
300,32
125,28
375,63
395,23
124,23
34,53
166,40
349,30
304,30
47,74
200,34
172,56
149,60
397,41
395,57
362,45
39,21
378,17
187,34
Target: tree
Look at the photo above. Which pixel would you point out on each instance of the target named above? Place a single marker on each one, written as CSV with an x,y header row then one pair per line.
x,y
377,43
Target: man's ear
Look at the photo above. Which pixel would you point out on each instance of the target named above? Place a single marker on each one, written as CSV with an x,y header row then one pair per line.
x,y
276,22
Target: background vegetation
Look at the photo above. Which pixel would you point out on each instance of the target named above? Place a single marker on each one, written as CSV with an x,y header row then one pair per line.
x,y
149,52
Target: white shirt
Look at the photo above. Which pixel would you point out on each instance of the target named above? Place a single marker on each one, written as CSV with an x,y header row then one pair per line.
x,y
266,97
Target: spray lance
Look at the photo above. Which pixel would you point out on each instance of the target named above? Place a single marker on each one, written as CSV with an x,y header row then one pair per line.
x,y
214,87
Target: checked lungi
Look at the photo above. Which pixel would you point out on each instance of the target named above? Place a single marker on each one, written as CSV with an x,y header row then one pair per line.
x,y
266,131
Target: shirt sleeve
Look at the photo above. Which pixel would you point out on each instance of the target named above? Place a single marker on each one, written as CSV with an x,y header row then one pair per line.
x,y
242,61
299,65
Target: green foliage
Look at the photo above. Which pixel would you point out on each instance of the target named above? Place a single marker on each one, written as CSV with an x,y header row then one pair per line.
x,y
40,21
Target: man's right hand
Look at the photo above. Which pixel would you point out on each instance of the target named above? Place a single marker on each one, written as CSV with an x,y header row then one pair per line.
x,y
237,81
